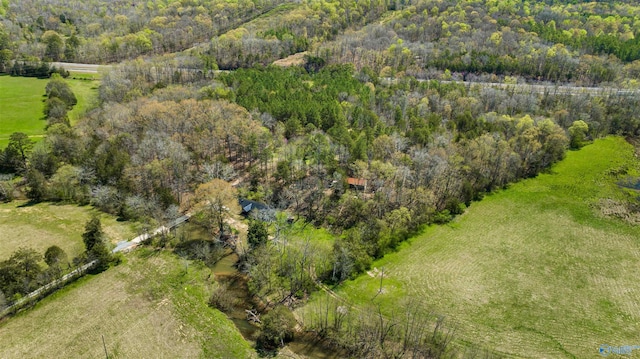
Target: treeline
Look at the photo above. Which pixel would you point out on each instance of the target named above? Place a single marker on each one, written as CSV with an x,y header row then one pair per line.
x,y
408,332
41,70
60,100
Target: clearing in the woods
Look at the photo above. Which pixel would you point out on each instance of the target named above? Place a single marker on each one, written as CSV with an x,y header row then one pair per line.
x,y
22,104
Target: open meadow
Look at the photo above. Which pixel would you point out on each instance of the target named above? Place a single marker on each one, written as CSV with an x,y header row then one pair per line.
x,y
533,271
22,104
153,305
45,224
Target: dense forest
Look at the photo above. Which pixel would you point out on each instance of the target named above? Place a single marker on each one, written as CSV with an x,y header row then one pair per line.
x,y
363,138
582,42
424,149
95,31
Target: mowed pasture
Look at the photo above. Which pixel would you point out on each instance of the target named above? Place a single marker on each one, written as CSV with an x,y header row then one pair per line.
x,y
533,271
22,105
42,225
154,305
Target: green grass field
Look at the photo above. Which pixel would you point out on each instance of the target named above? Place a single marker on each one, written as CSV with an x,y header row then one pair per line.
x,y
533,271
86,92
22,105
147,307
45,224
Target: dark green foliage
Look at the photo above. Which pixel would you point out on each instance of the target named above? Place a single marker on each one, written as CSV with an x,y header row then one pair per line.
x,y
93,235
20,274
6,50
41,70
31,69
57,261
60,99
64,143
55,256
57,87
283,171
257,234
313,63
14,158
110,160
277,328
95,245
296,98
36,185
43,159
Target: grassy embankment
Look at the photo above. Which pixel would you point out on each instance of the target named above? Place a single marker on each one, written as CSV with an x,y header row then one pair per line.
x,y
22,105
45,224
151,306
531,271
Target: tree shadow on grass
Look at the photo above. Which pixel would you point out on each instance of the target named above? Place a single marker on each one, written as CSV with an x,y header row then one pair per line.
x,y
31,203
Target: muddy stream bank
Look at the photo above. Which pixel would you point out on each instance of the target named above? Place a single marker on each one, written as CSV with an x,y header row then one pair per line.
x,y
303,345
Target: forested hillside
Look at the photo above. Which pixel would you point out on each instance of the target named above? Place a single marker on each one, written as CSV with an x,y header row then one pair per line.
x,y
582,42
98,32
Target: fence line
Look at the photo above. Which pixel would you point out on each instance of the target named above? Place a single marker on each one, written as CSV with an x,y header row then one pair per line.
x,y
124,246
47,288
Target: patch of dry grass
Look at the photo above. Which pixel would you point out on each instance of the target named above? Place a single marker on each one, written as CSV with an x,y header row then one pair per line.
x,y
45,224
291,60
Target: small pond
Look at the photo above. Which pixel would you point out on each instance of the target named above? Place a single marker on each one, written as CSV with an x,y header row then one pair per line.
x,y
631,183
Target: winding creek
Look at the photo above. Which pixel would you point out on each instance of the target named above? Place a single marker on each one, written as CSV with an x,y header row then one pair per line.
x,y
225,272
